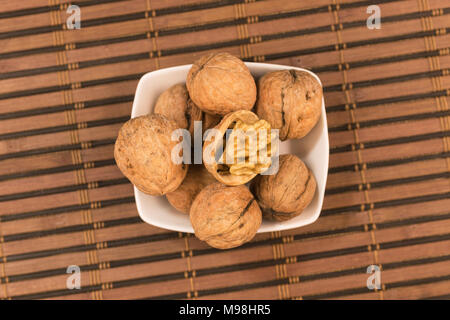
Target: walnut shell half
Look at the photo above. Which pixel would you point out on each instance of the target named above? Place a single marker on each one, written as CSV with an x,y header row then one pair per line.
x,y
225,217
290,100
220,83
175,104
287,193
143,154
228,154
197,178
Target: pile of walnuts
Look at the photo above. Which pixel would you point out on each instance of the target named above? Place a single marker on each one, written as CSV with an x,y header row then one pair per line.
x,y
221,92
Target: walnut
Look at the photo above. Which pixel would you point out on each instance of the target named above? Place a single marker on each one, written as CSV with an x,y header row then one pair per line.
x,y
236,157
143,154
287,193
197,178
290,100
225,217
220,83
175,104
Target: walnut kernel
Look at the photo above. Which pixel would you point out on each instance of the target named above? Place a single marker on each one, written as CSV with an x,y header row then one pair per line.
x,y
246,151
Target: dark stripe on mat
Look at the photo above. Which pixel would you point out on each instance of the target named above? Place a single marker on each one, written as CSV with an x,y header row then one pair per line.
x,y
389,142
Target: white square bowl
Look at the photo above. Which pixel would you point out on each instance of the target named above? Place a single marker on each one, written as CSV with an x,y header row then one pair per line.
x,y
312,149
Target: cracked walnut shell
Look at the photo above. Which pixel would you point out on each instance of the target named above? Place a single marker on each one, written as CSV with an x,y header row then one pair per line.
x,y
143,154
287,193
290,100
197,178
220,83
225,217
239,148
175,104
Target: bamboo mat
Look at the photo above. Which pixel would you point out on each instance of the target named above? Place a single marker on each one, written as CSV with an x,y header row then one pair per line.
x,y
65,93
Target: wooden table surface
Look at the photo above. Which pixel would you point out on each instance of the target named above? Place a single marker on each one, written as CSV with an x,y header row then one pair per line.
x,y
65,93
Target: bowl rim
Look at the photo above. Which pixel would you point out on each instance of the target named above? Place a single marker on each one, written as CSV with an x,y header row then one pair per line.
x,y
273,67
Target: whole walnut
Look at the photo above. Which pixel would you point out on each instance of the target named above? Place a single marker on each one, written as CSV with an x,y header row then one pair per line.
x,y
220,83
175,104
225,217
197,178
290,100
143,153
287,193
